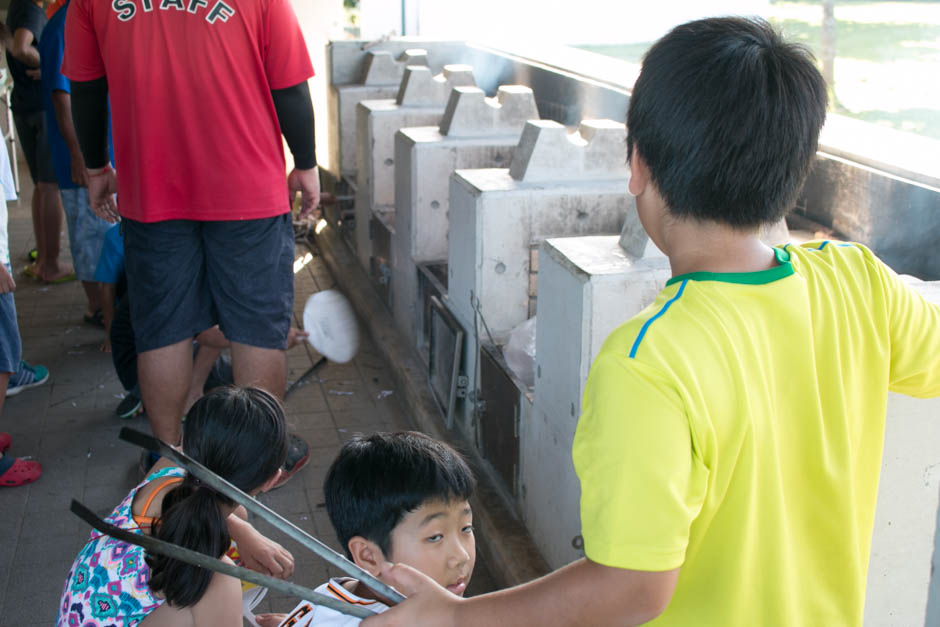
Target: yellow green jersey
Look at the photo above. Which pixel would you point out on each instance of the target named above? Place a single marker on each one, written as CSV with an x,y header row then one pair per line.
x,y
734,430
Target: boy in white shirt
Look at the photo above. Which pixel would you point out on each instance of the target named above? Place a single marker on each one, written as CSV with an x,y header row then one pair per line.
x,y
394,497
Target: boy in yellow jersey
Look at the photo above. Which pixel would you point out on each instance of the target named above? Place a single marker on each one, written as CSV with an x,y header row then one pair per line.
x,y
731,435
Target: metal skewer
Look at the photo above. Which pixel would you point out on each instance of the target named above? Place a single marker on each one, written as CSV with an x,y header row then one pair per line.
x,y
293,386
222,486
153,545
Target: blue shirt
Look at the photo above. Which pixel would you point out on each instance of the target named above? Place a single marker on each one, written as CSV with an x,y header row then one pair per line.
x,y
51,52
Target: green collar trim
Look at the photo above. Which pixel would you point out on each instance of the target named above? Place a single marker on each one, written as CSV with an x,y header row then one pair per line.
x,y
781,271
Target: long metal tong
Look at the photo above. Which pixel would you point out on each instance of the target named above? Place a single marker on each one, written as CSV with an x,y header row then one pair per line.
x,y
195,558
222,486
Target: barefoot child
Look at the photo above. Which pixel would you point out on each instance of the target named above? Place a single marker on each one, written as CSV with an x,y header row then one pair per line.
x,y
238,433
730,441
394,496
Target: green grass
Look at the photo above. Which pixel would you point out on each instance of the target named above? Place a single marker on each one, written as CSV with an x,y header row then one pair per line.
x,y
887,67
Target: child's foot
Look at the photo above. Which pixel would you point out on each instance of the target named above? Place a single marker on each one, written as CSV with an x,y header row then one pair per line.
x,y
95,319
27,376
5,441
63,275
16,471
129,407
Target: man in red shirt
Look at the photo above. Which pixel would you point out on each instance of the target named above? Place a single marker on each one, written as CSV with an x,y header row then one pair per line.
x,y
200,93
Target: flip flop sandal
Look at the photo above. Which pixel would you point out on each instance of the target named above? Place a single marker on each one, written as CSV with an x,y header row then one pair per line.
x,y
129,407
96,319
18,472
30,271
298,454
71,276
5,442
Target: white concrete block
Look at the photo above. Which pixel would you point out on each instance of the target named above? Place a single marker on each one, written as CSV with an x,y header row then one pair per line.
x,y
381,68
495,222
496,216
470,113
482,133
587,288
420,88
547,152
381,77
421,101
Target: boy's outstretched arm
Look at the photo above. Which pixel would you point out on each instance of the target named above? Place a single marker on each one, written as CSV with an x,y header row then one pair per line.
x,y
581,593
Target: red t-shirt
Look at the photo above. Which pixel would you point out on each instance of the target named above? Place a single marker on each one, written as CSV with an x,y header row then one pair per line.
x,y
196,135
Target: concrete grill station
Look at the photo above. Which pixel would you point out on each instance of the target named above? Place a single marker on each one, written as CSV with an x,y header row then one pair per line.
x,y
505,198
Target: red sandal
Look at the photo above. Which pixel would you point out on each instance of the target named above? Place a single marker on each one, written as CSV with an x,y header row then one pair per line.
x,y
18,472
5,442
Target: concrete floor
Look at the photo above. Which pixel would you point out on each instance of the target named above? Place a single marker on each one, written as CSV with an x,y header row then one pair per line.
x,y
70,426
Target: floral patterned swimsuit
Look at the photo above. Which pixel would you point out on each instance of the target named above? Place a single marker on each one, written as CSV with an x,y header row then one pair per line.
x,y
108,585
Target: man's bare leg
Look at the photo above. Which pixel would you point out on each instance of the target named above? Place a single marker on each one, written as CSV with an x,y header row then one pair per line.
x,y
263,368
37,229
50,218
164,375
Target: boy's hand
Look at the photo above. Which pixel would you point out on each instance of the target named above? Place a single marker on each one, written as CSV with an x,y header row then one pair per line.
x,y
427,603
259,553
7,284
269,620
105,346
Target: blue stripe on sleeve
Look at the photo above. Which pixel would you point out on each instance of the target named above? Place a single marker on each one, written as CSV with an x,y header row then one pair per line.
x,y
639,337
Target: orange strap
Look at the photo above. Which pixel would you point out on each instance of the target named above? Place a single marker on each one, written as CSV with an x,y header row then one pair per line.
x,y
148,520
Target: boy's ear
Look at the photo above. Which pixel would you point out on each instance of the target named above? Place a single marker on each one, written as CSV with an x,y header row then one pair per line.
x,y
639,173
367,555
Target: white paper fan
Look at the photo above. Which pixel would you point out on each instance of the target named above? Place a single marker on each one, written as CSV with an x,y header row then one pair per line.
x,y
331,323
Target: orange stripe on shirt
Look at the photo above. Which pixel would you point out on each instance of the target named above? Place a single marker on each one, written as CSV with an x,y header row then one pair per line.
x,y
342,595
299,613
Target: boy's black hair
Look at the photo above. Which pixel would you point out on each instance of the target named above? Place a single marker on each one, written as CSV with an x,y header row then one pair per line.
x,y
241,435
726,114
375,480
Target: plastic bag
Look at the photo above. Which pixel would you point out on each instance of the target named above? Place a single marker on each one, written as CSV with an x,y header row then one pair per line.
x,y
520,351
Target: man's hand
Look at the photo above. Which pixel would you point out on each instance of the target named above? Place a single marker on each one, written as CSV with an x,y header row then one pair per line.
x,y
295,336
307,182
7,284
427,602
35,74
102,187
259,553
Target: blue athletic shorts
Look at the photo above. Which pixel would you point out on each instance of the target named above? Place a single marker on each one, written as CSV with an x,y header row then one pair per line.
x,y
86,232
11,351
185,276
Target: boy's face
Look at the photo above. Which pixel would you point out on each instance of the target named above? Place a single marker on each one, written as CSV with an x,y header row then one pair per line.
x,y
437,539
